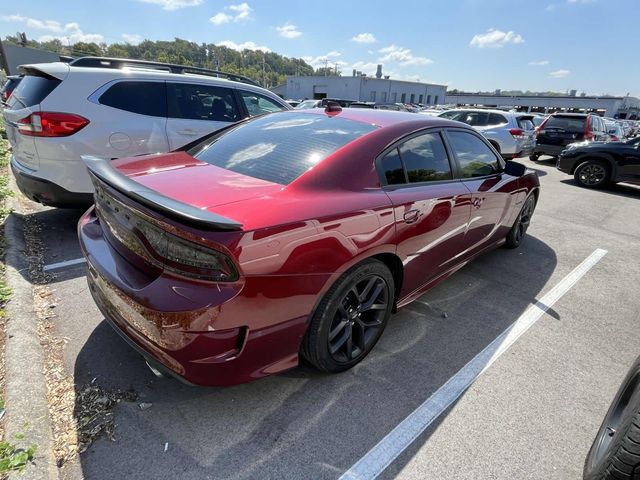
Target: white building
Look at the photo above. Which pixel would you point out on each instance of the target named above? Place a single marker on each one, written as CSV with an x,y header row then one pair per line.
x,y
361,88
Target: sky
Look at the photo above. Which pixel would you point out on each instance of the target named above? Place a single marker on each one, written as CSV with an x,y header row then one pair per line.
x,y
588,45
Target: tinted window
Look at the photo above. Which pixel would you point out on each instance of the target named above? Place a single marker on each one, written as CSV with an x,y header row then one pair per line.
x,y
425,159
31,91
497,119
476,159
391,167
145,98
201,102
525,123
568,124
258,104
475,119
279,148
454,115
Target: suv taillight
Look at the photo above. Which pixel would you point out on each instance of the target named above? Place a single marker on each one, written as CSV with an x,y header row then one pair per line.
x,y
516,132
51,124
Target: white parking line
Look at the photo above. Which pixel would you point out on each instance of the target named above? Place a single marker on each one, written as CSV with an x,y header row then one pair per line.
x,y
387,450
66,263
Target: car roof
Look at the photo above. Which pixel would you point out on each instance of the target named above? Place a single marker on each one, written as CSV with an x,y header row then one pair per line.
x,y
380,118
562,114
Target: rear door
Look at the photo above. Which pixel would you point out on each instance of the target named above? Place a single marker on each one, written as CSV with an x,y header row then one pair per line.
x,y
431,207
24,101
195,110
481,171
561,130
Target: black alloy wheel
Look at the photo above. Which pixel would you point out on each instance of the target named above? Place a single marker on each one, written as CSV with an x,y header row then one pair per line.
x,y
350,318
591,174
359,316
520,227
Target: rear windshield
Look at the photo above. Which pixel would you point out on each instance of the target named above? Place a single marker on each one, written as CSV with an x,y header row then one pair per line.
x,y
279,147
568,124
32,90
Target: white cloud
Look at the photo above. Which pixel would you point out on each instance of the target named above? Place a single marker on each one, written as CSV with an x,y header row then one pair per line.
x,y
243,46
174,4
562,73
364,38
495,39
288,31
69,33
132,38
234,13
220,18
404,56
539,63
321,60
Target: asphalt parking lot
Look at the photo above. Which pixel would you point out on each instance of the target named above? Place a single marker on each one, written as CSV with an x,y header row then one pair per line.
x,y
532,414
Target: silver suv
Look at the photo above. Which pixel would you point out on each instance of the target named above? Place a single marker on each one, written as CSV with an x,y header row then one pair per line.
x,y
511,133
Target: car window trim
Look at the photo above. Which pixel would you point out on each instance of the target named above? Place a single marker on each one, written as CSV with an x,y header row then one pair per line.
x,y
501,162
396,144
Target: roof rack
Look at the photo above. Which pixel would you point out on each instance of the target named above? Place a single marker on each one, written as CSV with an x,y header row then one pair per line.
x,y
107,62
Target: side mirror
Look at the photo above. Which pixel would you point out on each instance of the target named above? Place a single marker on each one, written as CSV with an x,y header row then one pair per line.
x,y
514,169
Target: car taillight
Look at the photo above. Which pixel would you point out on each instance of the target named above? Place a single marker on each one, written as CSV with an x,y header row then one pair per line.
x,y
51,124
516,132
614,138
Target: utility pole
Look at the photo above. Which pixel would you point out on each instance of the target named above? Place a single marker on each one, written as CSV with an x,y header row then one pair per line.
x,y
326,66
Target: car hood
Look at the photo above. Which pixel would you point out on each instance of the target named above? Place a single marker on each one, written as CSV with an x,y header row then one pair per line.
x,y
179,176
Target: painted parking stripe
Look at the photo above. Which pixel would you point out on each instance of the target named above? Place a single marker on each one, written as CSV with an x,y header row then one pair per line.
x,y
387,450
66,263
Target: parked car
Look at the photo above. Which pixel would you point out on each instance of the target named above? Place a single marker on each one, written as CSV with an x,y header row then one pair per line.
x,y
594,164
512,134
615,132
615,452
292,234
305,104
114,108
561,129
8,87
293,103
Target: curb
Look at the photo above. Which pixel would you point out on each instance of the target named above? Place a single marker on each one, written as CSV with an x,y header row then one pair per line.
x,y
26,393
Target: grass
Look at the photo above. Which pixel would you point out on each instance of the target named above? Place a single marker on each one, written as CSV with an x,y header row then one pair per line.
x,y
12,457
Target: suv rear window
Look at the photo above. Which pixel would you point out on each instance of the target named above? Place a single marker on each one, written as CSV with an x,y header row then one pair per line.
x,y
145,98
568,124
32,90
279,147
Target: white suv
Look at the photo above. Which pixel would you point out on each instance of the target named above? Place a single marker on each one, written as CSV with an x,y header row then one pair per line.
x,y
114,108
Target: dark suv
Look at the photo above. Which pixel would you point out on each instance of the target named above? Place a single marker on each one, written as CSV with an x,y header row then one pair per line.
x,y
561,129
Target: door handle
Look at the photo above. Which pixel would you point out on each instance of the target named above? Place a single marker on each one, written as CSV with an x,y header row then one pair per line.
x,y
411,216
189,132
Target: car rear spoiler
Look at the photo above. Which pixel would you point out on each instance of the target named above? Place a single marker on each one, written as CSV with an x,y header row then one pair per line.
x,y
183,212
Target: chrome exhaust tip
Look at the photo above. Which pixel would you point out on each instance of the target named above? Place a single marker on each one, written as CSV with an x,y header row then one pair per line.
x,y
155,371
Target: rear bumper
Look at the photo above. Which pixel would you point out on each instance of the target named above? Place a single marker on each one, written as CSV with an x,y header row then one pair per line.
x,y
208,335
46,192
553,150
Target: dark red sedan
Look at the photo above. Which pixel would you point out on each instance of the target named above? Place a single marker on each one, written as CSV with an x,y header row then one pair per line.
x,y
292,234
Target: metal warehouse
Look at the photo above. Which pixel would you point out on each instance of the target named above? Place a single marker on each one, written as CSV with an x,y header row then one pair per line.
x,y
362,88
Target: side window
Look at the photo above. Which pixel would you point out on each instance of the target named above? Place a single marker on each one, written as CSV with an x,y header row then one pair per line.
x,y
454,115
526,124
476,119
391,167
425,159
475,158
497,119
258,104
145,98
202,102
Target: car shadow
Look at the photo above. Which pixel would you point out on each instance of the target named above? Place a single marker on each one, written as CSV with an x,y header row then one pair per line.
x,y
301,423
619,189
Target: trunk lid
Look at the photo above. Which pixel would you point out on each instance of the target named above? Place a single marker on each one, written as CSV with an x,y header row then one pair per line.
x,y
561,130
187,180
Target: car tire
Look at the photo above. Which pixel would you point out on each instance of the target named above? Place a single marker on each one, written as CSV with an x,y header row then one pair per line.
x,y
521,225
343,328
534,157
615,453
592,174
